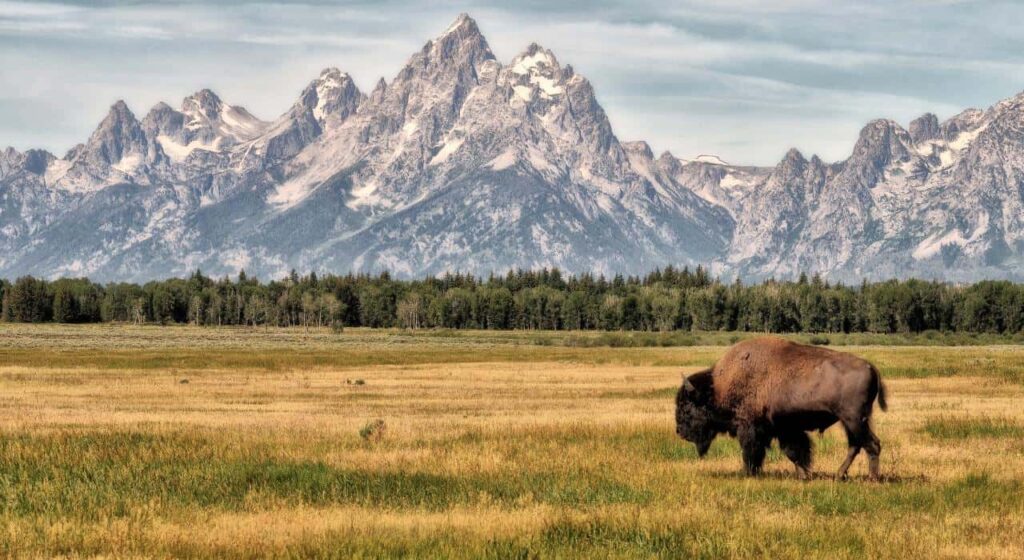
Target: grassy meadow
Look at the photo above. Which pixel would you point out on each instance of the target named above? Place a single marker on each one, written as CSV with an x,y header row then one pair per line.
x,y
122,441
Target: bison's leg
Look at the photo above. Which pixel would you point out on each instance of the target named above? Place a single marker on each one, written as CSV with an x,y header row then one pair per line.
x,y
855,439
854,450
754,440
797,446
874,449
859,435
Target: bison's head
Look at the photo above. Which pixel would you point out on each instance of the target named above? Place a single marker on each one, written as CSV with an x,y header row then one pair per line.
x,y
695,416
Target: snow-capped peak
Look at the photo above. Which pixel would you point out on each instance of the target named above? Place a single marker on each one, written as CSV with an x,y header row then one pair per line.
x,y
534,60
538,68
202,103
463,20
210,117
449,55
336,94
463,34
332,77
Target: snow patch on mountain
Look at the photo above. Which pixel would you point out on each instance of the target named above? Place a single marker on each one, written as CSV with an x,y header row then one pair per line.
x,y
179,153
289,194
447,150
931,246
733,181
365,195
504,160
530,63
708,158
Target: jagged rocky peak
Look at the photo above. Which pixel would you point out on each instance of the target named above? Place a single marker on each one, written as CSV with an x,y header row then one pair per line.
x,y
669,163
10,161
378,90
639,148
118,136
463,30
535,60
203,103
794,155
36,161
333,95
795,169
326,103
332,78
792,164
1007,118
424,100
207,105
540,83
536,70
964,121
461,49
217,124
640,156
32,161
924,128
781,192
160,111
1015,103
881,142
163,120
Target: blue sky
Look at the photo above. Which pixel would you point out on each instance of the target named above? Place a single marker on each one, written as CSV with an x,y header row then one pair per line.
x,y
741,79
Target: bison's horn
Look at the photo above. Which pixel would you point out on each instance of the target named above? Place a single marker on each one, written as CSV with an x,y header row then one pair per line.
x,y
687,385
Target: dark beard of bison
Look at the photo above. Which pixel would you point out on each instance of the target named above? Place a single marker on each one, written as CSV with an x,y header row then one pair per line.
x,y
695,425
696,419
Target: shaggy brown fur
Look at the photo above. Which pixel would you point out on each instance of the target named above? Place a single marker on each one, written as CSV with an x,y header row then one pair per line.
x,y
767,388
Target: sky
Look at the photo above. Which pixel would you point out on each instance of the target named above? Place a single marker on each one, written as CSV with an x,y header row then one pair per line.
x,y
745,80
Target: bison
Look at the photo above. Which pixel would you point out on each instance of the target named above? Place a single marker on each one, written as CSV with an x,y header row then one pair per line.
x,y
770,388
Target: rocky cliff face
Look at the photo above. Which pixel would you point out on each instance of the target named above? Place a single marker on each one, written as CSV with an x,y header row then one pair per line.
x,y
940,200
464,163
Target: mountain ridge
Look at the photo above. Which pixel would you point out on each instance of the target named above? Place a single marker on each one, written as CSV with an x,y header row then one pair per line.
x,y
464,163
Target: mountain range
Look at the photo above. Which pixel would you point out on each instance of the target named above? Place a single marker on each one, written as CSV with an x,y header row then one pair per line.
x,y
464,163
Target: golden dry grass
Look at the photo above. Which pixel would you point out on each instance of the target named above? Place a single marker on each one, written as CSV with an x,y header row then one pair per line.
x,y
148,442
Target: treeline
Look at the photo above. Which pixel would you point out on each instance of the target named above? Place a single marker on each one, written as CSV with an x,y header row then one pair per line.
x,y
668,299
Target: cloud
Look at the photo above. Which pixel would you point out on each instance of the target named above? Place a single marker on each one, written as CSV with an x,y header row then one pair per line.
x,y
25,10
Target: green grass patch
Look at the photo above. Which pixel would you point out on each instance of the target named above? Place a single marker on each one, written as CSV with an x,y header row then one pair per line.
x,y
654,394
839,499
954,427
920,372
92,475
603,539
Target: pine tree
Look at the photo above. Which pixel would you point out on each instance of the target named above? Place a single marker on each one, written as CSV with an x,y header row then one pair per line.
x,y
63,304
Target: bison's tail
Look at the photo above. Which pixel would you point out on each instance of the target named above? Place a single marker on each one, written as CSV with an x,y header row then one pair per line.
x,y
881,389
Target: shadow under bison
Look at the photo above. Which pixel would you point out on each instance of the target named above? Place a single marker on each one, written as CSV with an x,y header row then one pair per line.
x,y
770,388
